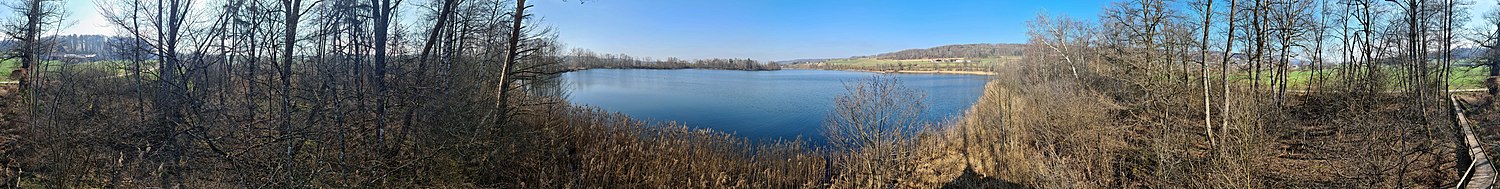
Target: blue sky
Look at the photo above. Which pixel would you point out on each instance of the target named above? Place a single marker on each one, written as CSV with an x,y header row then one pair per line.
x,y
760,29
757,29
83,17
790,29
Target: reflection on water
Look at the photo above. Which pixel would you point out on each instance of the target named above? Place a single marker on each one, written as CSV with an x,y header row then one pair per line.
x,y
756,104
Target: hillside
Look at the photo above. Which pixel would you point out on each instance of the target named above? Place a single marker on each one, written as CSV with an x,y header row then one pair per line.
x,y
102,46
981,50
947,58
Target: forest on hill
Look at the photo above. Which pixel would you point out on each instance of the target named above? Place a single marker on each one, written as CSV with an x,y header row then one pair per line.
x,y
98,45
963,58
955,51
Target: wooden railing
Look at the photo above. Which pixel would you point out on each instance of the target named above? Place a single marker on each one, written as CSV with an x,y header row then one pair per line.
x,y
1480,172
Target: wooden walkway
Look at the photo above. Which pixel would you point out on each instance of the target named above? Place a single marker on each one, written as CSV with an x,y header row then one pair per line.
x,y
1481,173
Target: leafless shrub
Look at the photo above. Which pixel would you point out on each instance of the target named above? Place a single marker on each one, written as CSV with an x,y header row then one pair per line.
x,y
874,126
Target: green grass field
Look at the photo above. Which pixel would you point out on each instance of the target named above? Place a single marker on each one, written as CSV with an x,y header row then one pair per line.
x,y
6,66
1459,77
119,67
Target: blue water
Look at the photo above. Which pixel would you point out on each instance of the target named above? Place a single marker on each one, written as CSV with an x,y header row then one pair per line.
x,y
782,104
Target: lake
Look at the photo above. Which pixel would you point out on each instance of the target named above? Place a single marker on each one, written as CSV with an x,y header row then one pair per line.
x,y
781,104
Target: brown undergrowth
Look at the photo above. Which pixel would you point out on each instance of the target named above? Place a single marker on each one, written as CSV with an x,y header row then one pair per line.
x,y
10,133
1060,134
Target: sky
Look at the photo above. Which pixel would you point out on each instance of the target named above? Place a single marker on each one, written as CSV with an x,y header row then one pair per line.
x,y
791,29
756,29
84,18
763,29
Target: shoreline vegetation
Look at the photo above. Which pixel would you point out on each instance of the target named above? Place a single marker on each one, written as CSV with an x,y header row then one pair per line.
x,y
960,66
941,72
982,73
582,59
962,59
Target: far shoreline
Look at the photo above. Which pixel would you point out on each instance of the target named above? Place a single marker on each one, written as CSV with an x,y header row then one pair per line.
x,y
979,73
976,73
748,70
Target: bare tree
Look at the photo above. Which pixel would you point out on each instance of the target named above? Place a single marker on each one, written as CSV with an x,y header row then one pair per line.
x,y
383,10
292,12
1208,12
1062,40
1224,67
1489,38
36,17
512,50
874,124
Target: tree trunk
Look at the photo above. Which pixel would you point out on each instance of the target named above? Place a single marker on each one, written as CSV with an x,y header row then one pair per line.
x,y
1224,70
289,42
31,45
383,10
1208,12
513,50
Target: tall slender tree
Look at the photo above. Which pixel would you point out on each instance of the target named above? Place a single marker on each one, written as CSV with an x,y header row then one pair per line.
x,y
513,51
291,15
1224,67
1208,12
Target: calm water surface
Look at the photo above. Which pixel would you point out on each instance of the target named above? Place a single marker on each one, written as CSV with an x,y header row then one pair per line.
x,y
782,104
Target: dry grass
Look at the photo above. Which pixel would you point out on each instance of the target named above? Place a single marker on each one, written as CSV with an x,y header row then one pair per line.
x,y
1054,133
1322,144
582,147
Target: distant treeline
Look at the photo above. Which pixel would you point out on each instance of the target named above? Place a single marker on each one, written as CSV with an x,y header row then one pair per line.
x,y
99,45
955,51
580,59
